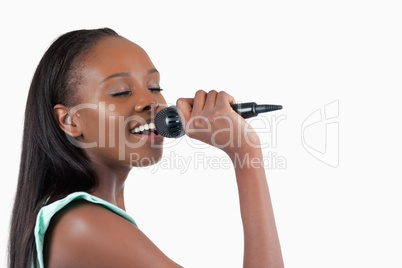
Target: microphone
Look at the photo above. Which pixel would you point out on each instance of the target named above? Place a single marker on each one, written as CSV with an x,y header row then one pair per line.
x,y
168,124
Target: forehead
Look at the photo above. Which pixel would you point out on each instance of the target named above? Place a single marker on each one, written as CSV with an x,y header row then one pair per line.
x,y
116,54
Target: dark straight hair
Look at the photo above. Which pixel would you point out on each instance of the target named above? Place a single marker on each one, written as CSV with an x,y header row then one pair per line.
x,y
51,166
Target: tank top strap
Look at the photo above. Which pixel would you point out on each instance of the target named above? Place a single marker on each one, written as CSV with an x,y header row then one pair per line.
x,y
48,211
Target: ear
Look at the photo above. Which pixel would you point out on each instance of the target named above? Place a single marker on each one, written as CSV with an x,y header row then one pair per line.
x,y
66,121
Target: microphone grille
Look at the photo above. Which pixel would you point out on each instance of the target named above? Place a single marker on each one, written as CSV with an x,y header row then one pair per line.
x,y
168,124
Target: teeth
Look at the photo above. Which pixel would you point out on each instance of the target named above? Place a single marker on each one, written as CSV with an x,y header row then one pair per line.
x,y
143,127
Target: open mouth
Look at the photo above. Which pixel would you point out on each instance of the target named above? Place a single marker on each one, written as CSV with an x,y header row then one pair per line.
x,y
146,128
146,132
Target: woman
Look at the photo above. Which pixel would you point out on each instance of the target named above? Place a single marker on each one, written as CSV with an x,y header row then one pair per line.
x,y
90,107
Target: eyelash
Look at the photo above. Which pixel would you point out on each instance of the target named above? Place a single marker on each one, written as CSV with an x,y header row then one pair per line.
x,y
124,93
155,89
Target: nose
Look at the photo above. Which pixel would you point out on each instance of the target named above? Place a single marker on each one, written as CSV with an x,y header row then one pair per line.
x,y
147,103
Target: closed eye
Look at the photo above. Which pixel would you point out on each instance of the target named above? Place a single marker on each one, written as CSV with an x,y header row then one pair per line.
x,y
122,93
155,89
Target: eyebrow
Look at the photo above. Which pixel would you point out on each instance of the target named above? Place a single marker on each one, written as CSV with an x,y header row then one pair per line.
x,y
126,74
122,74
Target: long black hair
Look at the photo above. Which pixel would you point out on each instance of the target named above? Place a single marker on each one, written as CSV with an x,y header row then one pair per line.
x,y
51,166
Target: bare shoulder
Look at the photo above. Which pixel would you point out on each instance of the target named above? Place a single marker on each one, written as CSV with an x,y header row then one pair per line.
x,y
84,234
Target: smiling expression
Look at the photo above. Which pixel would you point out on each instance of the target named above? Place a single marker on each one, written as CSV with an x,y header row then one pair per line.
x,y
119,92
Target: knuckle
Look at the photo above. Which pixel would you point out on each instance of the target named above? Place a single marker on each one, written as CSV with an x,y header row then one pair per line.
x,y
223,92
224,97
199,123
180,100
181,103
200,92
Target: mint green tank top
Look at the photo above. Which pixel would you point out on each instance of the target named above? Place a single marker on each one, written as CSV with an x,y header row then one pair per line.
x,y
48,211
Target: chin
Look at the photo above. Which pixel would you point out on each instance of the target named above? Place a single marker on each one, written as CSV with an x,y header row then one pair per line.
x,y
144,160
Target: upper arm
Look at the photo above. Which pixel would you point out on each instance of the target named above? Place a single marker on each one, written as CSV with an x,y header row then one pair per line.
x,y
88,235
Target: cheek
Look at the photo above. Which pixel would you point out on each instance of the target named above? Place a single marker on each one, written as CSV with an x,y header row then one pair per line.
x,y
100,125
90,125
109,130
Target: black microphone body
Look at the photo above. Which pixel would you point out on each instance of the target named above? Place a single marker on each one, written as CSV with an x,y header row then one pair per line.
x,y
168,124
251,109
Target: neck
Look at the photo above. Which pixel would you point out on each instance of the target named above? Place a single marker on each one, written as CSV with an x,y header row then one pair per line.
x,y
111,183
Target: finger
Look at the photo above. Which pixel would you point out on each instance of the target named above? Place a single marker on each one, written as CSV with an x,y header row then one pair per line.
x,y
210,100
199,102
188,100
184,108
224,99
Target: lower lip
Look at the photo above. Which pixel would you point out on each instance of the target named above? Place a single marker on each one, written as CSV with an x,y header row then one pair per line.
x,y
151,137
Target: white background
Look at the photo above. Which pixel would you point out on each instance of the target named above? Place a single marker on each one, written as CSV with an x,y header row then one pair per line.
x,y
301,54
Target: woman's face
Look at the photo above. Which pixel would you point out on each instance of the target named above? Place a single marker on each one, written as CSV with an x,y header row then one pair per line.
x,y
119,92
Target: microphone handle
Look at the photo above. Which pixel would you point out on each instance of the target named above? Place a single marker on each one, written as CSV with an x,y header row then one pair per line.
x,y
251,109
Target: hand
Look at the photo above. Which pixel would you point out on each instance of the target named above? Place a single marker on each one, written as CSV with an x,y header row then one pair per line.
x,y
208,117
